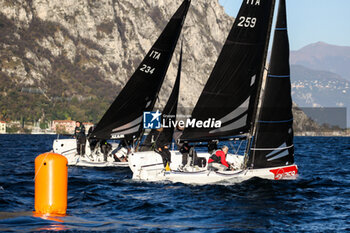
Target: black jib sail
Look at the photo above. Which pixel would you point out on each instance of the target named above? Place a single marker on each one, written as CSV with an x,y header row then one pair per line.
x,y
124,117
273,140
231,90
164,136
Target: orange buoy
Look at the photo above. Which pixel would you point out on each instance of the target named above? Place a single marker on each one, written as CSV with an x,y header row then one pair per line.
x,y
51,180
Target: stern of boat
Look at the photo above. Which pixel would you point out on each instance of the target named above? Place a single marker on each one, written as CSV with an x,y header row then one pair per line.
x,y
145,165
285,173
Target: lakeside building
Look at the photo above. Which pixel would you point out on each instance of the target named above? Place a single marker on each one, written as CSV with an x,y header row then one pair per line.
x,y
2,127
63,126
67,126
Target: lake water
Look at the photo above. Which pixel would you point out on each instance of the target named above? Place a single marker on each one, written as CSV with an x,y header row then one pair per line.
x,y
107,200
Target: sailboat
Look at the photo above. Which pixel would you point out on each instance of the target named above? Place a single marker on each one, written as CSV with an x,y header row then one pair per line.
x,y
234,95
123,120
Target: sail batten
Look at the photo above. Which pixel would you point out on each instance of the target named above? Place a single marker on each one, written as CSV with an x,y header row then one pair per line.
x,y
278,76
141,91
273,140
280,121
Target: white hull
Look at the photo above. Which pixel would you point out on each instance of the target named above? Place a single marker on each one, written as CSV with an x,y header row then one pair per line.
x,y
68,148
148,166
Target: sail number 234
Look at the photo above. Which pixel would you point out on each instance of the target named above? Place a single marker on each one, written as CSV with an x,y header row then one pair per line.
x,y
147,69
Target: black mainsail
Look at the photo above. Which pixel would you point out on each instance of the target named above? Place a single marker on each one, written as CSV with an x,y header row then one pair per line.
x,y
165,135
231,91
124,117
273,140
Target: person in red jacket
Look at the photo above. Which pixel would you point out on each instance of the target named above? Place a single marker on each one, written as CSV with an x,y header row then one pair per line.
x,y
218,161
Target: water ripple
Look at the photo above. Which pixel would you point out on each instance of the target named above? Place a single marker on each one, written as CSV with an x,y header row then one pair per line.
x,y
107,200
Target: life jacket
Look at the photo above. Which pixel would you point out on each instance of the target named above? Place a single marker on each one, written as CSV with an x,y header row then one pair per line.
x,y
216,158
79,132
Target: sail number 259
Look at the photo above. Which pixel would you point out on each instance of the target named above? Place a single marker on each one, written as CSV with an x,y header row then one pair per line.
x,y
147,69
247,22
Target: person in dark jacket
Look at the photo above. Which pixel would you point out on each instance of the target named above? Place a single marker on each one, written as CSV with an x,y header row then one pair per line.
x,y
92,142
161,147
177,135
105,149
165,153
218,160
79,134
185,150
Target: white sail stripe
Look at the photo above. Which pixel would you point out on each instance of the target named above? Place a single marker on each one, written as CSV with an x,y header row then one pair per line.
x,y
148,104
253,80
129,125
278,148
272,153
235,125
235,113
129,131
283,154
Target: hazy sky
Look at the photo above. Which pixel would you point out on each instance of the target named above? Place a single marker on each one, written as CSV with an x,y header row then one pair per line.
x,y
310,21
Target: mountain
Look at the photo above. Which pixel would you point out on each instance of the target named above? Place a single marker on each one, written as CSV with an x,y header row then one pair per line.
x,y
323,95
322,56
62,59
69,59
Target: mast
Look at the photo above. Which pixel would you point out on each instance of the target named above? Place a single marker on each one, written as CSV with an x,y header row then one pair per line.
x,y
124,117
273,137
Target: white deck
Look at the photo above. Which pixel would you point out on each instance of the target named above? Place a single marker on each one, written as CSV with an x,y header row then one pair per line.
x,y
68,148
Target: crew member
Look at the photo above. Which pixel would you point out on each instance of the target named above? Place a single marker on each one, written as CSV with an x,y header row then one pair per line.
x,y
79,134
105,149
92,141
162,147
218,160
185,151
176,135
165,153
